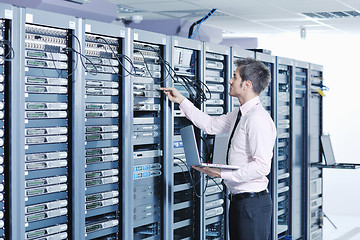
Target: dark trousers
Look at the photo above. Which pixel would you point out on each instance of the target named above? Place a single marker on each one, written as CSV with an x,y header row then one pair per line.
x,y
250,218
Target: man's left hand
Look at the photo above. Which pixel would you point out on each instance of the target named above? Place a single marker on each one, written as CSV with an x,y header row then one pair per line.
x,y
213,172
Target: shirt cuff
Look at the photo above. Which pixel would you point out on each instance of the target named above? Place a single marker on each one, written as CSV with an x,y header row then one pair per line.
x,y
226,174
185,104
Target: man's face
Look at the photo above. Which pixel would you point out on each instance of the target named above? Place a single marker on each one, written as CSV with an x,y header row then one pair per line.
x,y
236,84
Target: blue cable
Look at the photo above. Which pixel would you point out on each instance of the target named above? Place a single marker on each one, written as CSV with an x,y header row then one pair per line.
x,y
287,237
211,12
196,32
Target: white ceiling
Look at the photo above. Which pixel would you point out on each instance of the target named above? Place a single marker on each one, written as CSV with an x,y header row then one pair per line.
x,y
250,16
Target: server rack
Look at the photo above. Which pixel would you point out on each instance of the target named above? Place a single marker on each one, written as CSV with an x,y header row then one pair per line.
x,y
314,195
186,204
216,75
44,108
78,136
102,85
299,156
6,55
268,99
268,96
237,53
16,167
149,137
282,170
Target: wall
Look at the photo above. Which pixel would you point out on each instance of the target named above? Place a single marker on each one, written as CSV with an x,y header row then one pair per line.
x,y
339,54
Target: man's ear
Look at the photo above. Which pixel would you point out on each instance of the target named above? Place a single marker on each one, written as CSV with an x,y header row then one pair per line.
x,y
248,84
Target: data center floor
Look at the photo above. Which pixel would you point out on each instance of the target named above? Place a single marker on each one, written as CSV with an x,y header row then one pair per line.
x,y
348,228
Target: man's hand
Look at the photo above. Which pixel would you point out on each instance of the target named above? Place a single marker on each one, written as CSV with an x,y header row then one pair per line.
x,y
173,94
213,172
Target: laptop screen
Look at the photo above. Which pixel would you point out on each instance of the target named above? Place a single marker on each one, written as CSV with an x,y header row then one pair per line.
x,y
190,146
327,150
220,148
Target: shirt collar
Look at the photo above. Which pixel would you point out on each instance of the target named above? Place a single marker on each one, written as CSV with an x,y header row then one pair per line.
x,y
249,104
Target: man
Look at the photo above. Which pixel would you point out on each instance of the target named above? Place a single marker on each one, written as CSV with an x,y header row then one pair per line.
x,y
251,146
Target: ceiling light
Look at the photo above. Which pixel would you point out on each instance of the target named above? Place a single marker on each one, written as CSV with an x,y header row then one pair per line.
x,y
79,1
137,18
126,9
353,13
332,15
302,32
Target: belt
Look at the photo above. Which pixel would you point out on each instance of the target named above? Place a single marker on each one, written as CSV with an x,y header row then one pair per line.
x,y
241,196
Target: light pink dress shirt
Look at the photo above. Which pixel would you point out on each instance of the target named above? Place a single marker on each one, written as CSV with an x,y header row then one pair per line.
x,y
251,146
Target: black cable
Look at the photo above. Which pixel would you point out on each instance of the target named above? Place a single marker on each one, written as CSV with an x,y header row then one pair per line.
x,y
188,169
183,172
164,62
116,56
83,56
75,66
192,180
52,56
112,67
191,29
127,58
83,64
12,56
221,188
146,65
194,184
188,84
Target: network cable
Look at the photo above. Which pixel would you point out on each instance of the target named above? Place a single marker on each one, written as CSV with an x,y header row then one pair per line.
x,y
146,65
38,37
193,87
287,237
192,34
192,179
11,54
117,57
83,56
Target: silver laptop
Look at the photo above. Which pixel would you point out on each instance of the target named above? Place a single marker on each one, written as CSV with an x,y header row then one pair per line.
x,y
192,152
329,154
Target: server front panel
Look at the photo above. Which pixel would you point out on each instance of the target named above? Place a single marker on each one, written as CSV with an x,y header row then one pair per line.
x,y
299,157
216,79
48,68
315,191
284,149
236,55
148,144
266,96
234,100
102,134
185,62
268,99
5,57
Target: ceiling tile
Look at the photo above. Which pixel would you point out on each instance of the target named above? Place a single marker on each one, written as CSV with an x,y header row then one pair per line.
x,y
308,5
188,14
145,16
140,1
261,16
270,16
164,6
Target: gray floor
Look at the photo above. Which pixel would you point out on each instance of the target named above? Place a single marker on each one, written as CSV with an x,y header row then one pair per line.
x,y
348,228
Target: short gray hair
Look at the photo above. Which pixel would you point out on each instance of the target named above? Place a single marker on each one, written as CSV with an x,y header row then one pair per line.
x,y
254,71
